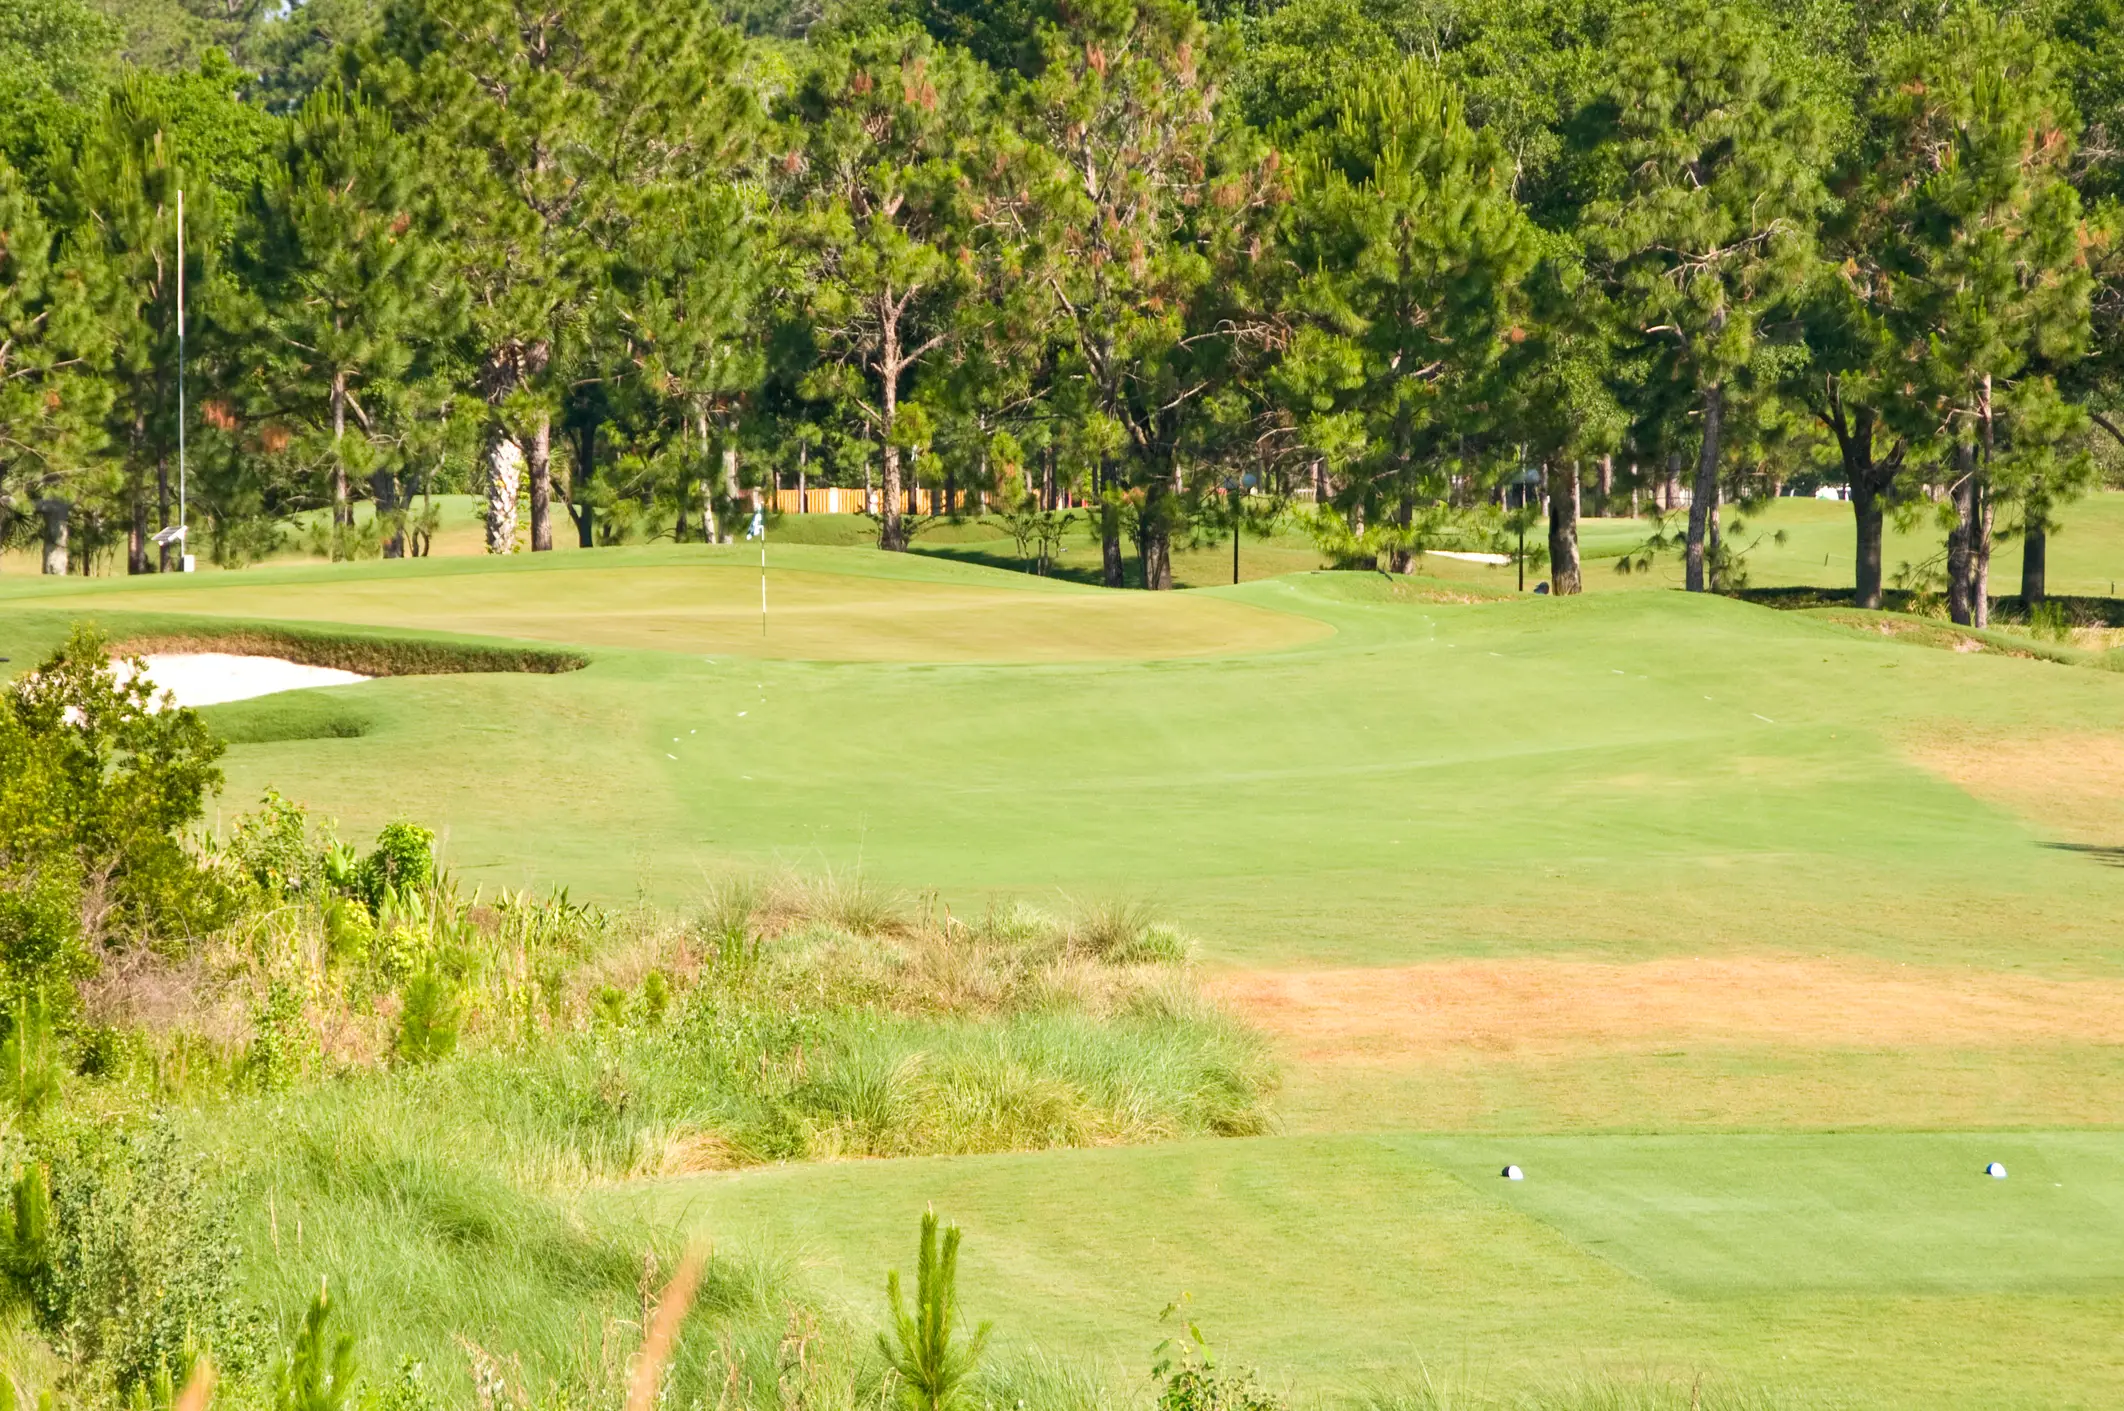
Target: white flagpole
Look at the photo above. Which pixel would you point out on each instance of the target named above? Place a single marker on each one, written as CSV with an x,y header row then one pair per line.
x,y
184,545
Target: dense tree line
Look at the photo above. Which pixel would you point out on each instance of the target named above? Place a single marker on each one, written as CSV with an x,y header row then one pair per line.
x,y
628,261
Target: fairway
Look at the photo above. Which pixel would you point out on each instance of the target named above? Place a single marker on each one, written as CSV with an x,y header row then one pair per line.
x,y
1750,936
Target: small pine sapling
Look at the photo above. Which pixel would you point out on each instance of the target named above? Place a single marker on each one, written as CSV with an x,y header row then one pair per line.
x,y
933,1371
314,1379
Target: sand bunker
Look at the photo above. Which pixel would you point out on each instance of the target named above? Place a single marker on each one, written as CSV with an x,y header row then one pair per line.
x,y
1468,557
1547,1007
210,678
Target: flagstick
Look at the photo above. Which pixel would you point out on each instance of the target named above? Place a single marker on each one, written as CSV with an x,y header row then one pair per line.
x,y
763,582
184,545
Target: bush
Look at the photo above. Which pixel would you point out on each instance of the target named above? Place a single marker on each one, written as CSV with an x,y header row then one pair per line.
x,y
404,861
96,793
130,1263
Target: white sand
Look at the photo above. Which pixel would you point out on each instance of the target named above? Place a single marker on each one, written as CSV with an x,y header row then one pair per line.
x,y
209,678
1471,558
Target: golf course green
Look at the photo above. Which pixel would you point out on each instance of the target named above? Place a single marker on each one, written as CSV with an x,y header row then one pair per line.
x,y
1752,936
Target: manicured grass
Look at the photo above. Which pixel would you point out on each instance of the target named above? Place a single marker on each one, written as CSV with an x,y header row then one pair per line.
x,y
1841,1270
1369,776
1330,768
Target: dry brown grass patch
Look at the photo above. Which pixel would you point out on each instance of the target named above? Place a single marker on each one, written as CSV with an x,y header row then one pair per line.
x,y
2069,785
1506,1008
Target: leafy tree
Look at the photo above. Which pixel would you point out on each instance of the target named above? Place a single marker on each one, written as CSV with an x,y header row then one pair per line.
x,y
1989,272
62,48
1716,155
96,790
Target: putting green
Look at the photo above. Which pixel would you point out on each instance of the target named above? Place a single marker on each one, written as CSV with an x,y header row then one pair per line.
x,y
1861,1269
712,602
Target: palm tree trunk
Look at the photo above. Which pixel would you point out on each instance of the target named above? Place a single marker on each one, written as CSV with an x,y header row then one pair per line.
x,y
56,513
505,477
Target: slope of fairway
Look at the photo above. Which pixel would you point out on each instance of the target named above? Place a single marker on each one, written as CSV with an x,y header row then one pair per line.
x,y
1854,1270
1627,775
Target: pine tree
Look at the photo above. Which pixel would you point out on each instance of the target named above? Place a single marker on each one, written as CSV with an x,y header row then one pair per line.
x,y
542,127
1985,252
347,292
53,395
1714,153
894,140
933,1366
1151,237
1417,252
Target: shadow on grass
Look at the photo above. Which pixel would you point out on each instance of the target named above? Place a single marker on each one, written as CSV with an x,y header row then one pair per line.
x,y
1004,557
2006,612
2107,856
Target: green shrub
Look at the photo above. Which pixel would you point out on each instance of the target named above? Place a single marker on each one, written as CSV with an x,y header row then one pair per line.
x,y
94,783
138,1264
429,1022
404,861
278,1037
2049,620
29,1060
272,847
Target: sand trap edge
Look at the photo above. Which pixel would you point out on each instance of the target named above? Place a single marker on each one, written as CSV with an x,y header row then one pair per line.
x,y
365,656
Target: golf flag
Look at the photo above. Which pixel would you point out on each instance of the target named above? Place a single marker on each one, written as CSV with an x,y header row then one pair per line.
x,y
759,525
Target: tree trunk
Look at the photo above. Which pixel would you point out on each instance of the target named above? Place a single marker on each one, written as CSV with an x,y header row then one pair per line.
x,y
730,485
162,510
1607,485
1980,557
1867,511
1714,558
1960,575
1564,575
1671,491
541,459
56,513
1111,573
342,502
2035,559
580,485
136,539
1404,556
505,478
1706,486
383,489
1154,537
803,478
